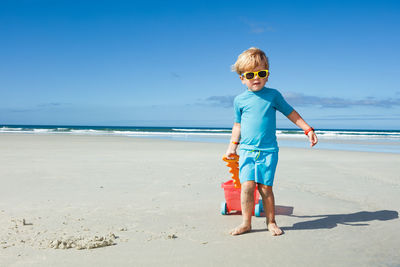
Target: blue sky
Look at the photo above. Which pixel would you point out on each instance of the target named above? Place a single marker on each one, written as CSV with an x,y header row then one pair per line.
x,y
167,63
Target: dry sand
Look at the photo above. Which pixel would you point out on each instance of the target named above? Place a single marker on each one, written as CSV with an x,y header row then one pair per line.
x,y
122,201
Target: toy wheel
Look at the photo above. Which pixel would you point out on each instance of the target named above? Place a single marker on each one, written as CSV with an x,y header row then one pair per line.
x,y
261,205
258,209
224,208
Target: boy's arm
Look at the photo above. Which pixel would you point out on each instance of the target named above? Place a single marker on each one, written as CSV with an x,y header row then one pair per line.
x,y
234,139
298,120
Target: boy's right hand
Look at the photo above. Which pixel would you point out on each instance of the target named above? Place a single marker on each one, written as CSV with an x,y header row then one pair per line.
x,y
230,152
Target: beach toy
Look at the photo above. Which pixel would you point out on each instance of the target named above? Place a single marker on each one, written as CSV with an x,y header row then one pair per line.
x,y
233,164
232,189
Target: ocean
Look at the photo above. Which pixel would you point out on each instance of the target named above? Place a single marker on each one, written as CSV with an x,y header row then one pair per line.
x,y
386,141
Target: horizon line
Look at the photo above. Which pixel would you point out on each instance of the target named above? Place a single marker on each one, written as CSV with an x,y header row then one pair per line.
x,y
193,127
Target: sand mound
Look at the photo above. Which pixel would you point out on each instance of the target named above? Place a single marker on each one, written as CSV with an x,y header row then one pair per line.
x,y
83,242
52,235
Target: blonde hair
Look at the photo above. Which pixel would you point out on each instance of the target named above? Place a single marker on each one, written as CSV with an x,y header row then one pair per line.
x,y
249,60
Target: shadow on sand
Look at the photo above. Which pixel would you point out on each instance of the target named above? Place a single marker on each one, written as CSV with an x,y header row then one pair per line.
x,y
330,221
279,210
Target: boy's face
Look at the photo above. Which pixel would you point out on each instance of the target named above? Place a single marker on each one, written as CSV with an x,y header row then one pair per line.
x,y
256,83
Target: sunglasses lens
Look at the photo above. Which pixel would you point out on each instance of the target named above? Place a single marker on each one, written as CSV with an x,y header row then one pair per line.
x,y
262,74
249,75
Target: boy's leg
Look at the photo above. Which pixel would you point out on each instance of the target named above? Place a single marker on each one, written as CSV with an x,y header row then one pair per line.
x,y
269,206
247,203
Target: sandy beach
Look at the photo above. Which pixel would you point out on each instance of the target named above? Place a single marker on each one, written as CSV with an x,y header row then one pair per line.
x,y
70,200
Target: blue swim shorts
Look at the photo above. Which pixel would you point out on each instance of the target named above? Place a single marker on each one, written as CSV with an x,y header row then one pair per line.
x,y
258,166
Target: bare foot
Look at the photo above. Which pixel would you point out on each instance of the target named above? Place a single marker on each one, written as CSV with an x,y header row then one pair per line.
x,y
241,229
274,229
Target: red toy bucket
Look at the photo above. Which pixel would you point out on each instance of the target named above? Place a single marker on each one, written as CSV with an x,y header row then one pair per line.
x,y
232,197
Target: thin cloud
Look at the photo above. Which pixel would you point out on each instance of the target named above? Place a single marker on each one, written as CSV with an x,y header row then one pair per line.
x,y
53,104
366,117
298,99
256,27
224,101
175,75
22,110
39,107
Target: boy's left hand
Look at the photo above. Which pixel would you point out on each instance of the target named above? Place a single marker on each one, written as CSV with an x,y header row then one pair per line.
x,y
313,138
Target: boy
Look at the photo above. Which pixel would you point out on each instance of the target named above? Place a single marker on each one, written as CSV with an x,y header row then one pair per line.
x,y
255,126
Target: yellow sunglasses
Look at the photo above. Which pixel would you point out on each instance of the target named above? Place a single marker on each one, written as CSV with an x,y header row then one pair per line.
x,y
251,75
